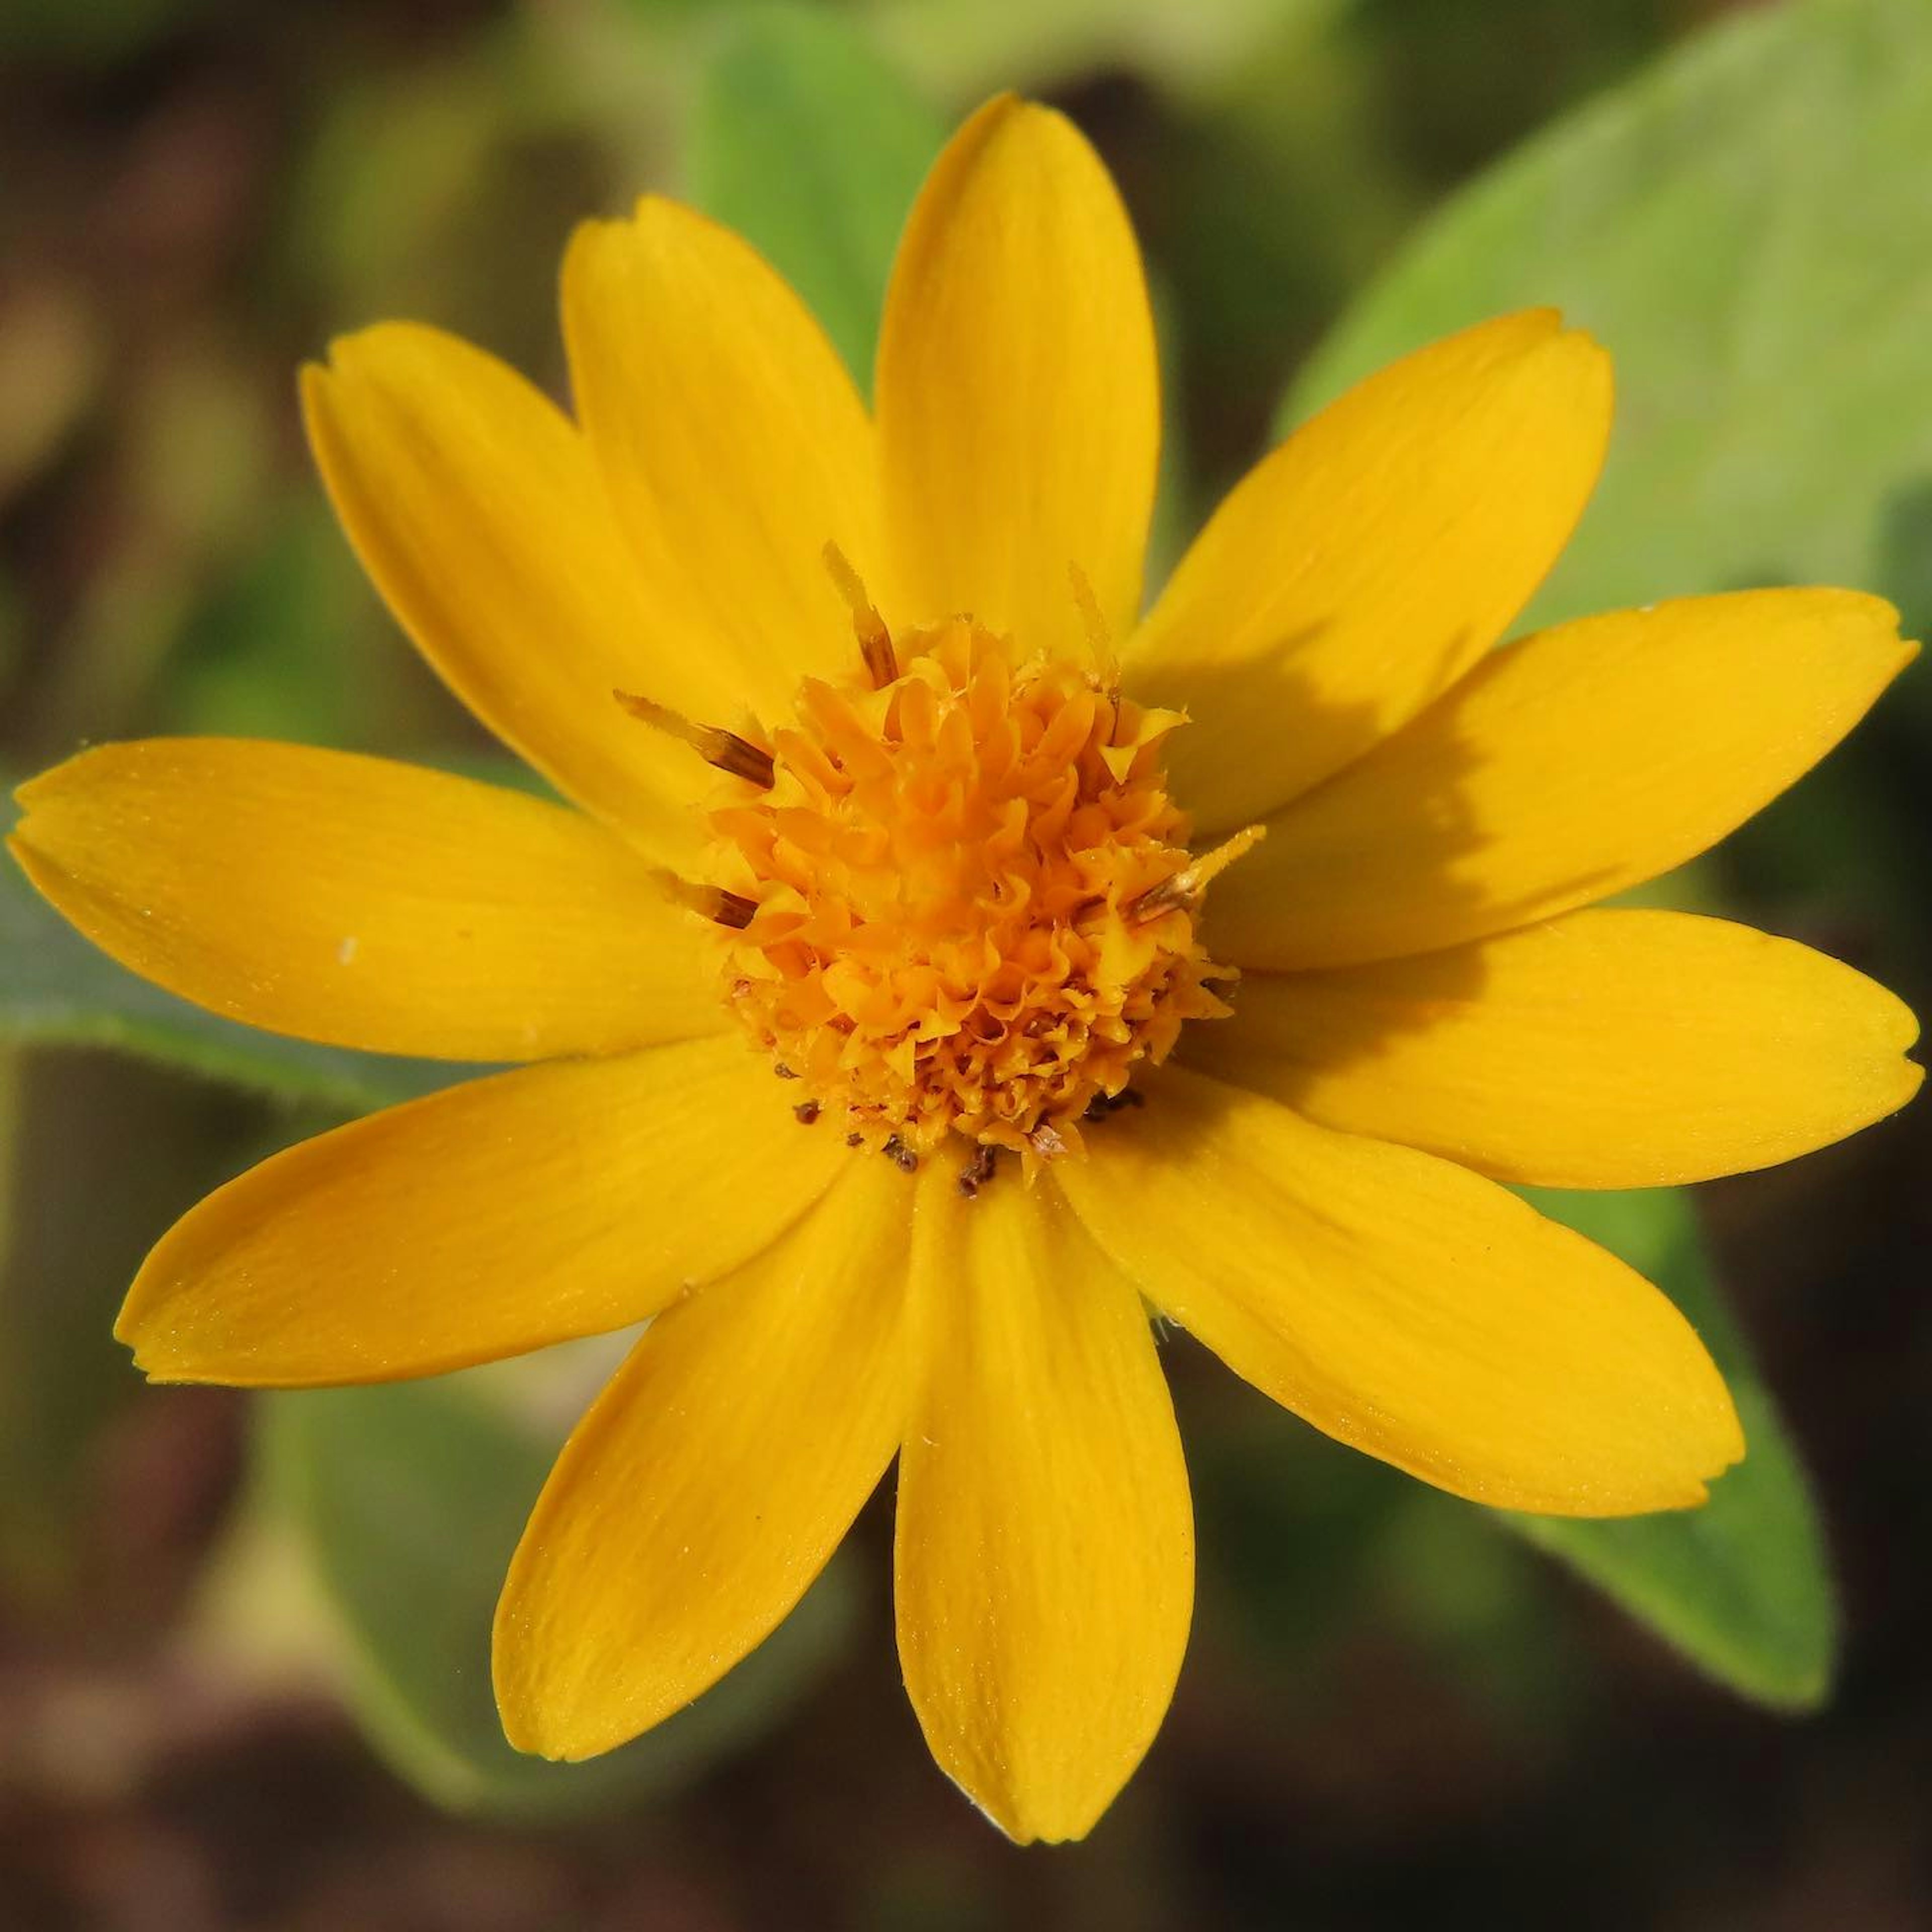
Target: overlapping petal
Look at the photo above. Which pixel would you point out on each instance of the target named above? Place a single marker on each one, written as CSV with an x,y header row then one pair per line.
x,y
489,1218
733,443
1406,1307
1044,1564
1586,759
1356,572
365,903
1606,1049
701,1495
1018,400
476,507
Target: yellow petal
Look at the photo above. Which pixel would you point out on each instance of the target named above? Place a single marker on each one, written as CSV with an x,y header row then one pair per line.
x,y
1585,759
364,903
734,444
487,1219
1018,395
1360,569
1044,1569
1607,1049
1406,1306
696,1502
476,509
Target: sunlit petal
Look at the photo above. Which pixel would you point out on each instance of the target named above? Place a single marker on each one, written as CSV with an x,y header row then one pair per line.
x,y
1407,1307
487,1219
1045,1561
717,1472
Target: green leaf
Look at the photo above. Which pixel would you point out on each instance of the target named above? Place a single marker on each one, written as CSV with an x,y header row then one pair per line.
x,y
1746,227
1742,1586
284,645
803,139
968,48
410,1498
57,989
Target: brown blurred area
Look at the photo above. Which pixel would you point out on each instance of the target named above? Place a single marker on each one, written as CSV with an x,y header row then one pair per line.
x,y
1383,1721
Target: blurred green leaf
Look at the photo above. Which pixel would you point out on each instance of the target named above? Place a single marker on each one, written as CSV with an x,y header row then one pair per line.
x,y
278,649
57,989
974,47
1290,1524
411,1499
97,1155
1479,1605
1746,227
807,142
1742,1586
380,207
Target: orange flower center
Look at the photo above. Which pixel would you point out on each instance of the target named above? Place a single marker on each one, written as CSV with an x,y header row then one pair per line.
x,y
962,903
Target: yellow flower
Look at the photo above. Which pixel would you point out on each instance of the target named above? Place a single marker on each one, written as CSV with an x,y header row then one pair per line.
x,y
941,880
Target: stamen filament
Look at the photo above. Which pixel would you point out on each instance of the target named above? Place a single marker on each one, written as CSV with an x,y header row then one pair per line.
x,y
875,641
714,745
1100,641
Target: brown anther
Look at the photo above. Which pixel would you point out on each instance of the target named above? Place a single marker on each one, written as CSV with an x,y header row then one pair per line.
x,y
1181,891
900,1155
806,1112
784,1072
715,746
1102,1105
977,1171
875,641
855,1140
1171,895
711,902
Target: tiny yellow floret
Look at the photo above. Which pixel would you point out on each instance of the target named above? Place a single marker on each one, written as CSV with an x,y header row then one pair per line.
x,y
975,905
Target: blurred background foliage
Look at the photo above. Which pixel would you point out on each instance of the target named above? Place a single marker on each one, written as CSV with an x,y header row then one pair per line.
x,y
243,1661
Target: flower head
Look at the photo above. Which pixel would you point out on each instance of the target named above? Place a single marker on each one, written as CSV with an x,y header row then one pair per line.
x,y
940,962
968,906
